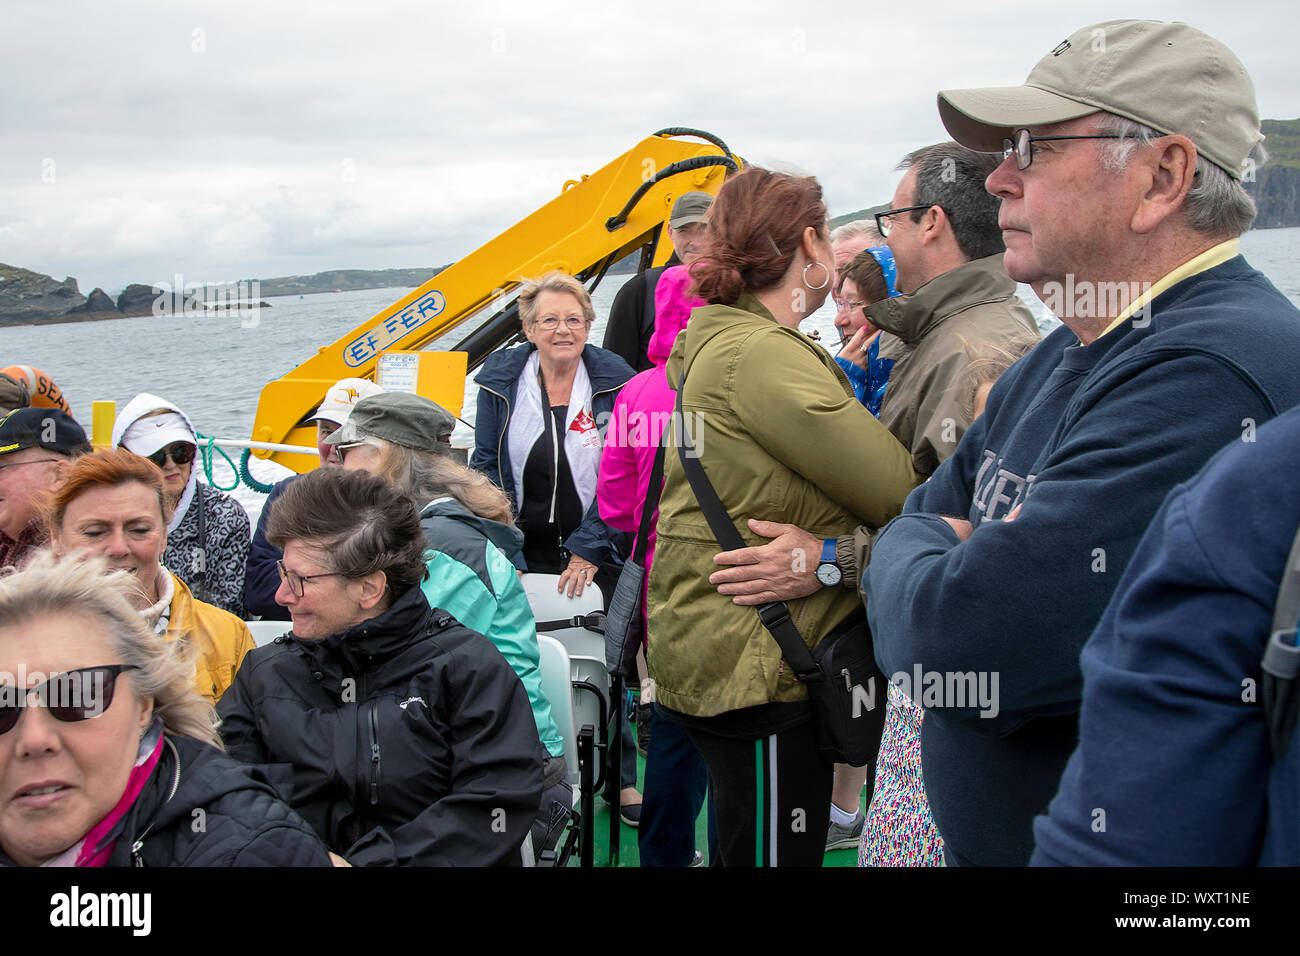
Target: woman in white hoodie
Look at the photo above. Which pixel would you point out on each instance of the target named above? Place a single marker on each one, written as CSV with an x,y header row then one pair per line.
x,y
209,533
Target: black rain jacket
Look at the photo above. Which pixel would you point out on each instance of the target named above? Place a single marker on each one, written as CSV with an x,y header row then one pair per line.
x,y
410,739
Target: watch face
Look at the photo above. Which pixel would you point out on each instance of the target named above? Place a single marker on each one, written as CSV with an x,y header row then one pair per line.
x,y
829,574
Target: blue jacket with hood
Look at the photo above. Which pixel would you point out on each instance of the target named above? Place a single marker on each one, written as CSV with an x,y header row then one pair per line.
x,y
594,540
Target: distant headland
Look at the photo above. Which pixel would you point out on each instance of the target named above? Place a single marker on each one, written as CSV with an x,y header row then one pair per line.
x,y
31,298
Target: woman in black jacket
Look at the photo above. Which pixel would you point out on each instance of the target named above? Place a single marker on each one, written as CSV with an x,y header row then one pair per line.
x,y
409,739
107,756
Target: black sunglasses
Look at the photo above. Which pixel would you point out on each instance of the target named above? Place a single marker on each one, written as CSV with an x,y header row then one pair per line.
x,y
71,696
180,452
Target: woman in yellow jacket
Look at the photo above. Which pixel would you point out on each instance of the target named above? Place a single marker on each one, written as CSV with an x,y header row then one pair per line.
x,y
112,503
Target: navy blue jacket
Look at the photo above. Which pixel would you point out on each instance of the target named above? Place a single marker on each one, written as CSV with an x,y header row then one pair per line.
x,y
261,577
594,540
1087,441
1173,743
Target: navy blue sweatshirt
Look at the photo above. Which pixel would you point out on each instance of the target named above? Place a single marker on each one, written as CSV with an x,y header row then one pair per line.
x,y
1173,744
1087,441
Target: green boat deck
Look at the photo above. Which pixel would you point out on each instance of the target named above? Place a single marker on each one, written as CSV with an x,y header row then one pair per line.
x,y
627,847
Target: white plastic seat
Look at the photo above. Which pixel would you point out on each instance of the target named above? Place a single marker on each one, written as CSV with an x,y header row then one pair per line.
x,y
264,632
553,662
586,648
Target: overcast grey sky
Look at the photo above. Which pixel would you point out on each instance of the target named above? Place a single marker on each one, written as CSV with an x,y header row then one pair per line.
x,y
236,139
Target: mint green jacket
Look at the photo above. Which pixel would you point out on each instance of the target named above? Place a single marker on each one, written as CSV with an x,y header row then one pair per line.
x,y
470,575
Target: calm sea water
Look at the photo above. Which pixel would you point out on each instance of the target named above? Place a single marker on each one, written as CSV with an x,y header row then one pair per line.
x,y
215,369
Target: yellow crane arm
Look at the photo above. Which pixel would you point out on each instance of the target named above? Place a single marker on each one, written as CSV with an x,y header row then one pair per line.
x,y
594,222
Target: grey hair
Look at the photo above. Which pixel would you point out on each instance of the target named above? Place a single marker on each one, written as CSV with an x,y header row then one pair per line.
x,y
1217,205
864,228
425,475
553,282
81,585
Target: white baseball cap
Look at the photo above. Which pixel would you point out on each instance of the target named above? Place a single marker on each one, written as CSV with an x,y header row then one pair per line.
x,y
342,395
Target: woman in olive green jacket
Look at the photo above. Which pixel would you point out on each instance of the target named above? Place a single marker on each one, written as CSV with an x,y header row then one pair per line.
x,y
782,438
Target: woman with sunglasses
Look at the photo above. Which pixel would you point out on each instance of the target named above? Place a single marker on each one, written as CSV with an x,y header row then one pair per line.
x,y
113,503
409,737
209,533
106,756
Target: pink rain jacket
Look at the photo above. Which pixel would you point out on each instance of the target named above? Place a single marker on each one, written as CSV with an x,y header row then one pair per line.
x,y
641,411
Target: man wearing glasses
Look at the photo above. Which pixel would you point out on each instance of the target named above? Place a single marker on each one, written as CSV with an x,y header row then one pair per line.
x,y
36,445
1122,205
261,575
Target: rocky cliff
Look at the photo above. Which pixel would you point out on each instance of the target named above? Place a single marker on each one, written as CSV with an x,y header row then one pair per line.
x,y
27,296
1276,185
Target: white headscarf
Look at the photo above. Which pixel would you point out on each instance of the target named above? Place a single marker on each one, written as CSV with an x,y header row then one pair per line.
x,y
174,427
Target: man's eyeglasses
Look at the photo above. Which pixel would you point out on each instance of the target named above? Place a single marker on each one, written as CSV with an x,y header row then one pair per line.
x,y
296,580
1021,144
885,222
849,305
551,323
70,697
182,453
34,461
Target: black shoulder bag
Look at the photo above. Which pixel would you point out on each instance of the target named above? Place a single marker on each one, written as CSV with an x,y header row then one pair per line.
x,y
841,673
623,617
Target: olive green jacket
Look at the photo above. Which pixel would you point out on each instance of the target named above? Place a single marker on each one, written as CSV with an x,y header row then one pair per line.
x,y
782,438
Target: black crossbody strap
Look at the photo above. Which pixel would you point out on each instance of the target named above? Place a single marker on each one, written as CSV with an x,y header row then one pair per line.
x,y
776,615
651,501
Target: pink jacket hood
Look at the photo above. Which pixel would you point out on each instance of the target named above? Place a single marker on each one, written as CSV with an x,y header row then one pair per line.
x,y
673,307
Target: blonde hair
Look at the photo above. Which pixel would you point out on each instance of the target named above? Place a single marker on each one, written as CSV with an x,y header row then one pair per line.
x,y
81,585
988,361
553,282
425,475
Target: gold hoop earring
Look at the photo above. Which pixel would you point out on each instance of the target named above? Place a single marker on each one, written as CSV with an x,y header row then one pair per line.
x,y
824,283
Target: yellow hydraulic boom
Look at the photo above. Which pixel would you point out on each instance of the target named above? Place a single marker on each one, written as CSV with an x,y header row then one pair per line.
x,y
594,222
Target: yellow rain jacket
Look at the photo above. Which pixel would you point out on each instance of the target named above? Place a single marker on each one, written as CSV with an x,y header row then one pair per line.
x,y
220,640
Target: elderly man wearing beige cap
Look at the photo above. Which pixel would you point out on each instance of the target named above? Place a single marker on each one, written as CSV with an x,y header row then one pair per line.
x,y
1122,204
261,576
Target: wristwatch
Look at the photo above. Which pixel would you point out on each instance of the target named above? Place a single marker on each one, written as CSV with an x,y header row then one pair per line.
x,y
828,571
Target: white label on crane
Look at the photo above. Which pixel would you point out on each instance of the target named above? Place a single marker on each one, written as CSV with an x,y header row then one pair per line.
x,y
398,373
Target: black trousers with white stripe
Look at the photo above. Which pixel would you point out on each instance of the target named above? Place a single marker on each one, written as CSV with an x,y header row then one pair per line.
x,y
772,796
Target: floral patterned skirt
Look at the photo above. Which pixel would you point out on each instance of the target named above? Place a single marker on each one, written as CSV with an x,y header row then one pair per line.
x,y
899,830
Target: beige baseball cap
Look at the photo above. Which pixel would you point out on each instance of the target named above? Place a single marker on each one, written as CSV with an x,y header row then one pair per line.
x,y
1168,76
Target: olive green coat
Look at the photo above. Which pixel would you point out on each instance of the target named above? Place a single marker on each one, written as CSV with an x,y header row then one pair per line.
x,y
782,438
